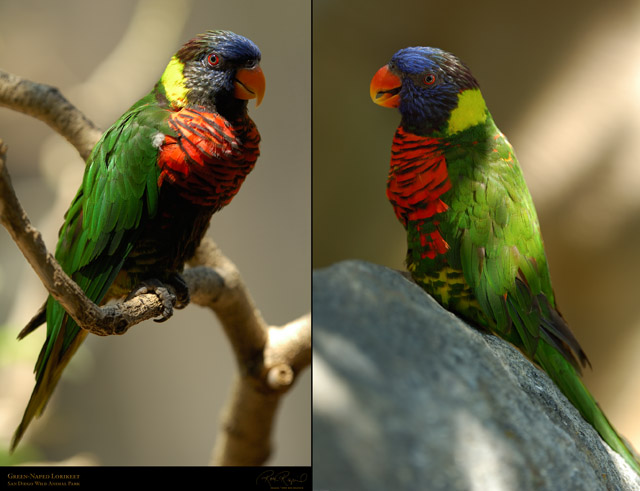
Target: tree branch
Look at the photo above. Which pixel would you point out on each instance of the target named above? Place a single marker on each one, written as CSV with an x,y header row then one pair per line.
x,y
248,416
47,104
268,358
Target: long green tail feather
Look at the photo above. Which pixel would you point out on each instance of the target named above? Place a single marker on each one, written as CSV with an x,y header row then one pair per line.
x,y
49,369
565,376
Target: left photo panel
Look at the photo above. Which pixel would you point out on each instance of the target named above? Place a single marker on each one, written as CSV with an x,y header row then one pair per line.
x,y
155,264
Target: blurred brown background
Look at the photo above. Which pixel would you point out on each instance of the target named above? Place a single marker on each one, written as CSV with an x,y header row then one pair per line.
x,y
153,396
562,80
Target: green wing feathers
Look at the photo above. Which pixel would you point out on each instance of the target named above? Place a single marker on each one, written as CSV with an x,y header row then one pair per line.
x,y
496,242
118,191
119,187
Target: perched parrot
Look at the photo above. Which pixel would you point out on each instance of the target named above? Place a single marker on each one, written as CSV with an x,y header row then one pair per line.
x,y
473,236
150,186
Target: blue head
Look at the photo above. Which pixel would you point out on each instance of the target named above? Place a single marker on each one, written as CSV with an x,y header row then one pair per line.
x,y
217,69
424,84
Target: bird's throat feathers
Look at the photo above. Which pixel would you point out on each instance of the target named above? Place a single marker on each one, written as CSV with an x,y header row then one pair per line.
x,y
173,83
417,180
418,177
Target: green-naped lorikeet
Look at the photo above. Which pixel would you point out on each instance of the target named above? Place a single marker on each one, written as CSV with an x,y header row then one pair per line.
x,y
150,186
473,235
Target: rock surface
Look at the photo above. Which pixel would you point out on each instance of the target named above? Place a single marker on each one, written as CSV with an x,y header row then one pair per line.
x,y
409,397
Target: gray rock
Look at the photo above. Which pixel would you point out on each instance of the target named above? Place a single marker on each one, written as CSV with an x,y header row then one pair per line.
x,y
409,397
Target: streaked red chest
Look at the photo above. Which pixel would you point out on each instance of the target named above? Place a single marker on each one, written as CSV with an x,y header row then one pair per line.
x,y
209,158
417,179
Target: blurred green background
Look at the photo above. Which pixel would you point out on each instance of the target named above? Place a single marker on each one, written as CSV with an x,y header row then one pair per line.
x,y
153,396
562,80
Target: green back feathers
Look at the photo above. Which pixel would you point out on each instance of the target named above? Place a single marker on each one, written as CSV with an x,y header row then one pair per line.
x,y
119,188
493,229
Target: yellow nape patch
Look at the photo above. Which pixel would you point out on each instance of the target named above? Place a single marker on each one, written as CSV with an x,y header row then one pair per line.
x,y
173,82
471,111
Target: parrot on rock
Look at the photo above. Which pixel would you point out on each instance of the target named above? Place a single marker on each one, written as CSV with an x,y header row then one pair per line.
x,y
150,187
473,236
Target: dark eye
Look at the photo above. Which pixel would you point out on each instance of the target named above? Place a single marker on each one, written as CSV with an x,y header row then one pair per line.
x,y
213,59
429,79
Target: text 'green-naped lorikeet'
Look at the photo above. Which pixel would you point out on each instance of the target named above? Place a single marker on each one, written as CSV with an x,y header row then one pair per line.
x,y
473,236
150,186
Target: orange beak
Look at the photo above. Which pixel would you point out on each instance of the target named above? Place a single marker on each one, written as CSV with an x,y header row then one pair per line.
x,y
385,88
250,84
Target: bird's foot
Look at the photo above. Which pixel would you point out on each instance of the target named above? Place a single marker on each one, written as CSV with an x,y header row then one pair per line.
x,y
173,294
181,290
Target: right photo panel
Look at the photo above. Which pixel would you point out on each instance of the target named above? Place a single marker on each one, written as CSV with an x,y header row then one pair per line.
x,y
475,245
